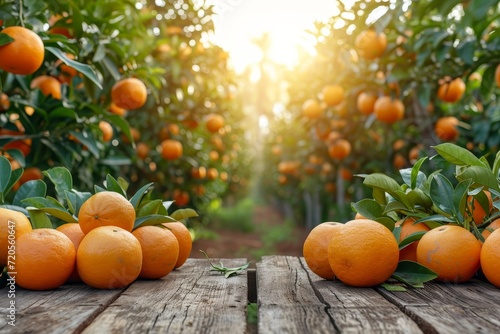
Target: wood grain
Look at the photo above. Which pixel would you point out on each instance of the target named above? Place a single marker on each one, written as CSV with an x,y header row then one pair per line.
x,y
68,309
472,307
191,299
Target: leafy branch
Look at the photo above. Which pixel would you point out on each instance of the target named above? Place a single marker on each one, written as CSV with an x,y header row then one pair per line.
x,y
228,272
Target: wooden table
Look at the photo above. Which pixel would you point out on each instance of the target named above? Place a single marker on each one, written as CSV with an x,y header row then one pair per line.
x,y
290,299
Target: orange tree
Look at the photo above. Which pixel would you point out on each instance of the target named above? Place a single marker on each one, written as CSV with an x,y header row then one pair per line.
x,y
390,79
71,111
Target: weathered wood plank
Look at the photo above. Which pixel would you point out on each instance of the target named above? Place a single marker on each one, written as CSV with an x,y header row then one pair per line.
x,y
68,309
189,300
472,307
295,300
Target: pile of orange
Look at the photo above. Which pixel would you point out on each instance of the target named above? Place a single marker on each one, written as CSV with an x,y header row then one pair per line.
x,y
103,249
365,253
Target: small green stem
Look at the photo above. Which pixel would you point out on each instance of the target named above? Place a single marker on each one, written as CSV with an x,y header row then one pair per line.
x,y
21,19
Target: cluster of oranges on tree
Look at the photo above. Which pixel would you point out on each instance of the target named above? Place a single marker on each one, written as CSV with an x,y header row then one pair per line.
x,y
103,249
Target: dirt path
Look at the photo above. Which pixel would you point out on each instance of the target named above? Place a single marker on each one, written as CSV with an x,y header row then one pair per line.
x,y
272,236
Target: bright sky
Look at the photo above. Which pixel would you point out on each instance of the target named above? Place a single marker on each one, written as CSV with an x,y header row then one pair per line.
x,y
241,20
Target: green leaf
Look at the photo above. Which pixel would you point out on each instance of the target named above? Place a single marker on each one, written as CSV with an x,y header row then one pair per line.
x,y
14,177
39,219
227,272
5,39
413,273
434,221
32,188
441,193
51,206
113,185
496,165
181,214
411,238
136,199
123,183
480,176
457,155
150,208
381,181
417,177
61,178
418,197
394,206
6,169
379,196
168,204
460,196
368,208
387,222
87,139
152,220
85,69
393,287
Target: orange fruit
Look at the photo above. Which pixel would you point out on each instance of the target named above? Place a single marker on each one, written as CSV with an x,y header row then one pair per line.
x,y
315,249
160,250
451,91
213,155
340,149
13,224
346,174
106,208
31,173
74,232
181,197
212,173
142,150
490,228
333,95
214,122
366,103
389,110
446,128
49,86
113,108
4,102
490,258
129,93
109,257
312,109
497,75
363,253
25,54
171,149
370,44
45,258
478,212
107,131
183,236
407,228
199,173
59,30
399,161
451,251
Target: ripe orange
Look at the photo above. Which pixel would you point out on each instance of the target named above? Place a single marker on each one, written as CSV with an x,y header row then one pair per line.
x,y
199,173
109,257
370,45
25,54
160,250
31,173
214,122
451,91
399,161
129,94
497,75
4,102
60,30
181,197
451,251
142,150
340,149
312,109
107,131
45,259
407,228
171,149
13,224
478,212
212,173
113,108
48,85
366,103
494,225
183,236
346,174
490,258
333,94
389,110
74,232
446,128
363,253
315,249
213,155
106,208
